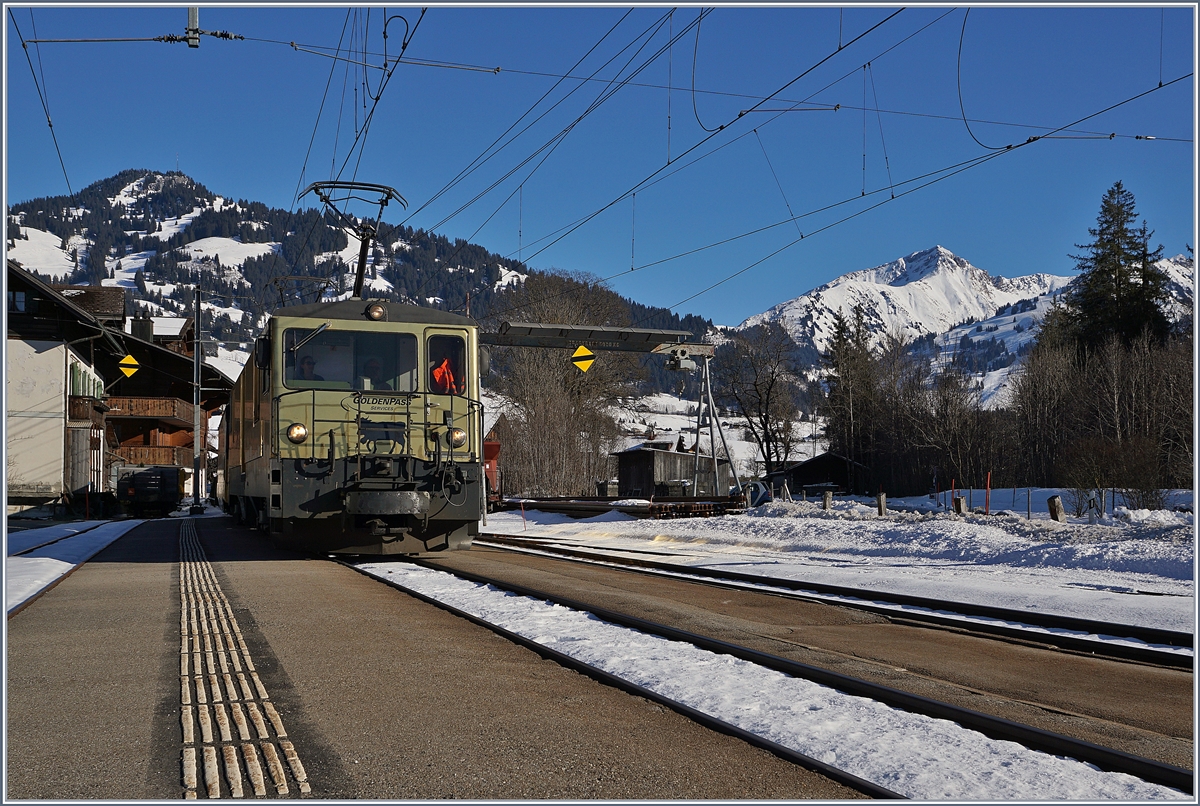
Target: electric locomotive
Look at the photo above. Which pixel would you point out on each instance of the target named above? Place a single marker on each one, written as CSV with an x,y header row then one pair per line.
x,y
355,427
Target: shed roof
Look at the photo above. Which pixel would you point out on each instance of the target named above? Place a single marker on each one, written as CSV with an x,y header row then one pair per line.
x,y
644,449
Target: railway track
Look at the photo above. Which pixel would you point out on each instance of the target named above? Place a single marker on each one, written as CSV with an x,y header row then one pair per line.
x,y
885,785
1166,648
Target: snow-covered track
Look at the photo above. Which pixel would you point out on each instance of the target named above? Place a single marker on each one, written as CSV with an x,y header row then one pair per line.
x,y
22,551
1104,758
1120,641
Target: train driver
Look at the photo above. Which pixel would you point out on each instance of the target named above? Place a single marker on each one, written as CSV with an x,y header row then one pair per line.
x,y
307,369
373,374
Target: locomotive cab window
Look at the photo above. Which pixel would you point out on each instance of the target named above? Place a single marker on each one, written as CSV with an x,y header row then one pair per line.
x,y
341,359
447,365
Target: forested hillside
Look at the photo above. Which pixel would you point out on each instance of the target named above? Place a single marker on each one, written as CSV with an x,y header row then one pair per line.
x,y
161,234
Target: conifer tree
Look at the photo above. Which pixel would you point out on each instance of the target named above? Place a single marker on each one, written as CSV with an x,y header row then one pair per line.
x,y
1120,291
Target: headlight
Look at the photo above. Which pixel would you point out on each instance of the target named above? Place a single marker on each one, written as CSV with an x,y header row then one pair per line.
x,y
458,437
297,432
376,312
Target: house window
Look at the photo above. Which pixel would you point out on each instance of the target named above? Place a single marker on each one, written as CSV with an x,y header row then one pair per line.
x,y
16,301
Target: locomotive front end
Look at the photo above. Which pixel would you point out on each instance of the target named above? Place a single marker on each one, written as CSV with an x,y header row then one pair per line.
x,y
375,443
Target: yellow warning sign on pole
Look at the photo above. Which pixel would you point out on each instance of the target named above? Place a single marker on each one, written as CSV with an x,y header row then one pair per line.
x,y
128,365
583,358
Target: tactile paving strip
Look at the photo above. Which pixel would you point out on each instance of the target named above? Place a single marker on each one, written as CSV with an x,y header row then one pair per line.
x,y
234,741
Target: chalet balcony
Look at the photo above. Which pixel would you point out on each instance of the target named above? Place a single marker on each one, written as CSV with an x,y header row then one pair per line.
x,y
169,410
156,455
91,409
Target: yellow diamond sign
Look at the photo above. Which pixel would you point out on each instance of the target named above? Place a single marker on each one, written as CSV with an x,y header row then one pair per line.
x,y
128,365
583,358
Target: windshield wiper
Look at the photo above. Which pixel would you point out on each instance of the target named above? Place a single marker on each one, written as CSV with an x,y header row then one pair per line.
x,y
308,338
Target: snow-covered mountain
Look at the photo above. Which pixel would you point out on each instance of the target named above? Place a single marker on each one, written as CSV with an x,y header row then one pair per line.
x,y
1181,273
979,322
925,293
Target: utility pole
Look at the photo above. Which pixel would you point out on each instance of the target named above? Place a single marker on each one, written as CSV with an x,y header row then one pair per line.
x,y
193,27
706,396
197,437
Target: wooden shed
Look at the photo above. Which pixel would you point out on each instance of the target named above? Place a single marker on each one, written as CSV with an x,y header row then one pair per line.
x,y
827,471
653,469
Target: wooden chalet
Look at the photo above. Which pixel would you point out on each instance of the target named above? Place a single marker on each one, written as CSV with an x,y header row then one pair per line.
x,y
66,345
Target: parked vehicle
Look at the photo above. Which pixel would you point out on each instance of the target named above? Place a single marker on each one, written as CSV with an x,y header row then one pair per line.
x,y
756,493
154,490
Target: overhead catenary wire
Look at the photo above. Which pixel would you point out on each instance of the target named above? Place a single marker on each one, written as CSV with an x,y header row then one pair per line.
x,y
360,133
886,163
677,168
767,227
557,140
864,132
650,180
320,111
972,164
41,66
695,52
1162,23
484,156
947,172
607,92
566,229
304,166
632,232
498,70
359,139
612,86
778,184
961,107
721,128
42,99
670,68
1082,134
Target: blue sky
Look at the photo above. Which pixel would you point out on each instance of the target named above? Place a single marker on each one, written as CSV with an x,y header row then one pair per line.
x,y
238,116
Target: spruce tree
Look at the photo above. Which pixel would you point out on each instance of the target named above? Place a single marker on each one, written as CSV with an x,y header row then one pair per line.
x,y
1120,291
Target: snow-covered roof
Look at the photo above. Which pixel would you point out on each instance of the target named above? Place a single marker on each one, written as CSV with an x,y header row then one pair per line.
x,y
170,326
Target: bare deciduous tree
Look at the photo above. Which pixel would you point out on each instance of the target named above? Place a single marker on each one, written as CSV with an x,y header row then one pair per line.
x,y
757,371
559,433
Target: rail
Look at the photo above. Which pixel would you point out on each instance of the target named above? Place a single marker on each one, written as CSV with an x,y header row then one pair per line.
x,y
1061,631
994,727
656,508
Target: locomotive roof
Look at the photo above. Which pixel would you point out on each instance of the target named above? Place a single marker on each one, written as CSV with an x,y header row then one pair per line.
x,y
354,308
